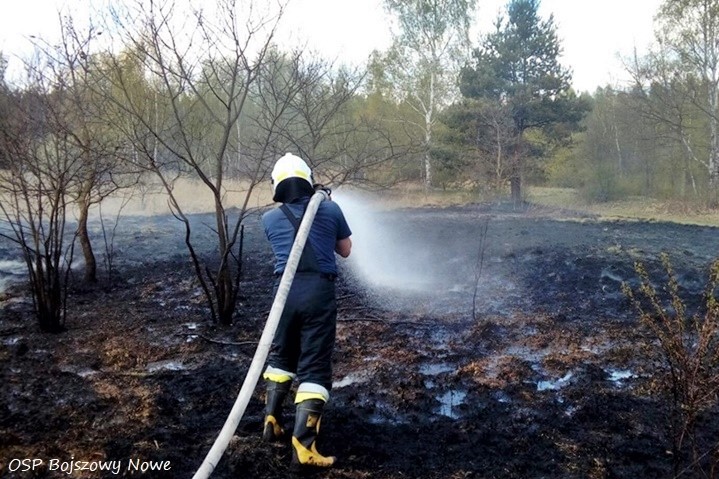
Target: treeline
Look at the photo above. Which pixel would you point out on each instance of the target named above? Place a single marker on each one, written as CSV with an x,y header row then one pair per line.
x,y
628,148
656,137
163,90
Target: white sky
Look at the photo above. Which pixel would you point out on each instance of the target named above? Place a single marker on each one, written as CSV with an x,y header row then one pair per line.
x,y
593,33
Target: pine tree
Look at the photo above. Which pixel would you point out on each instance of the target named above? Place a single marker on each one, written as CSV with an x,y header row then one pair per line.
x,y
518,66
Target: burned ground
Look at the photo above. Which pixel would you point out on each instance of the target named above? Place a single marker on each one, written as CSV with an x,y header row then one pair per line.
x,y
550,379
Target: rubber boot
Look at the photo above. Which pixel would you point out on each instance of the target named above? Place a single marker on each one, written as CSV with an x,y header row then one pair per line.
x,y
307,427
276,393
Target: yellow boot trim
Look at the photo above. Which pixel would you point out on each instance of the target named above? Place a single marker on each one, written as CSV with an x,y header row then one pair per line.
x,y
278,378
305,395
276,428
310,457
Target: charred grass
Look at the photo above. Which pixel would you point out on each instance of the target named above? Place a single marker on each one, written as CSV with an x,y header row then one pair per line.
x,y
559,389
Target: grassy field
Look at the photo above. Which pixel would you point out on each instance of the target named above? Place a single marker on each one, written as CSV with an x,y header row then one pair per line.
x,y
195,198
636,208
639,208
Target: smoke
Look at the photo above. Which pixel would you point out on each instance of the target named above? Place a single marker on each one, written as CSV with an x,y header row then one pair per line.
x,y
407,260
11,272
420,261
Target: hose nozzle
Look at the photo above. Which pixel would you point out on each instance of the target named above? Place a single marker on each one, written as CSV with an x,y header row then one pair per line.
x,y
326,191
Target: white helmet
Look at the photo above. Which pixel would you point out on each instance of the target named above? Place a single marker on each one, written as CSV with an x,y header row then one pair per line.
x,y
290,166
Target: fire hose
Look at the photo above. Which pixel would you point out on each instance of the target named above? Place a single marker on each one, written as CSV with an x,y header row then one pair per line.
x,y
263,348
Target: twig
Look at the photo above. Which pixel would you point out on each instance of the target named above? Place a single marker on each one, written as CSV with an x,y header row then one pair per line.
x,y
479,265
697,461
217,341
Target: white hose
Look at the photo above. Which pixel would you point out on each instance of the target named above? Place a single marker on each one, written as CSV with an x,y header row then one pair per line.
x,y
263,348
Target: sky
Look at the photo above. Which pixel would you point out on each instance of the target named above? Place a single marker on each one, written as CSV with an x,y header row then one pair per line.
x,y
595,34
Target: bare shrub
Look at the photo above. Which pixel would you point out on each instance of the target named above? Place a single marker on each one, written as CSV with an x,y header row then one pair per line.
x,y
685,349
34,189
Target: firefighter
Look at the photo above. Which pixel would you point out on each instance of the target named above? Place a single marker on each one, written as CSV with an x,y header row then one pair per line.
x,y
303,344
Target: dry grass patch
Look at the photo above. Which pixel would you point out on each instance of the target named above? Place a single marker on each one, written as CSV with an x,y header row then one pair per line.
x,y
193,196
633,208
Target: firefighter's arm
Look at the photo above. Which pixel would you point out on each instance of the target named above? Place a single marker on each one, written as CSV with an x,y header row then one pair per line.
x,y
343,247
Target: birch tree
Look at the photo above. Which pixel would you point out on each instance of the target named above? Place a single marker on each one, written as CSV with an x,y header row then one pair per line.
x,y
430,45
517,65
681,77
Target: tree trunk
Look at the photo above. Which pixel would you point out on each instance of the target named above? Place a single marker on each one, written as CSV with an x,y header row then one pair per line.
x,y
225,289
48,295
427,171
226,296
515,180
90,275
713,163
427,159
428,124
515,183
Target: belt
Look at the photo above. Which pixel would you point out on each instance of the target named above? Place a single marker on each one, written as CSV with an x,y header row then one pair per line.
x,y
327,276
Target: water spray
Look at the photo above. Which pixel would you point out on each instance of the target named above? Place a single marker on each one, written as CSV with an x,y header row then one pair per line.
x,y
384,258
263,348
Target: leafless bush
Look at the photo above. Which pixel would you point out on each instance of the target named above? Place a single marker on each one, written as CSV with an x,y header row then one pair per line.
x,y
685,348
34,189
109,231
207,97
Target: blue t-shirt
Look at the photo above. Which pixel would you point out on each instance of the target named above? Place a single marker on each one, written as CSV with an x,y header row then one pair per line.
x,y
328,227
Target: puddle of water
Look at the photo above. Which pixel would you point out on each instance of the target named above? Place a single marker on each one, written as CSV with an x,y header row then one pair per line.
x,y
378,418
167,365
597,348
436,369
449,402
571,410
351,378
81,371
619,375
502,397
12,341
554,385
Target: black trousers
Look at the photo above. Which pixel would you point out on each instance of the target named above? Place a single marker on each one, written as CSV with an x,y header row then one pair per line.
x,y
305,335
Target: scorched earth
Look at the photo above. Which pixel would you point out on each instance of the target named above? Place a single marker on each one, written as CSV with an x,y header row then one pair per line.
x,y
473,341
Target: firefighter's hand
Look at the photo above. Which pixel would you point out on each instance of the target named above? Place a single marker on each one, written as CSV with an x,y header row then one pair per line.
x,y
321,187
